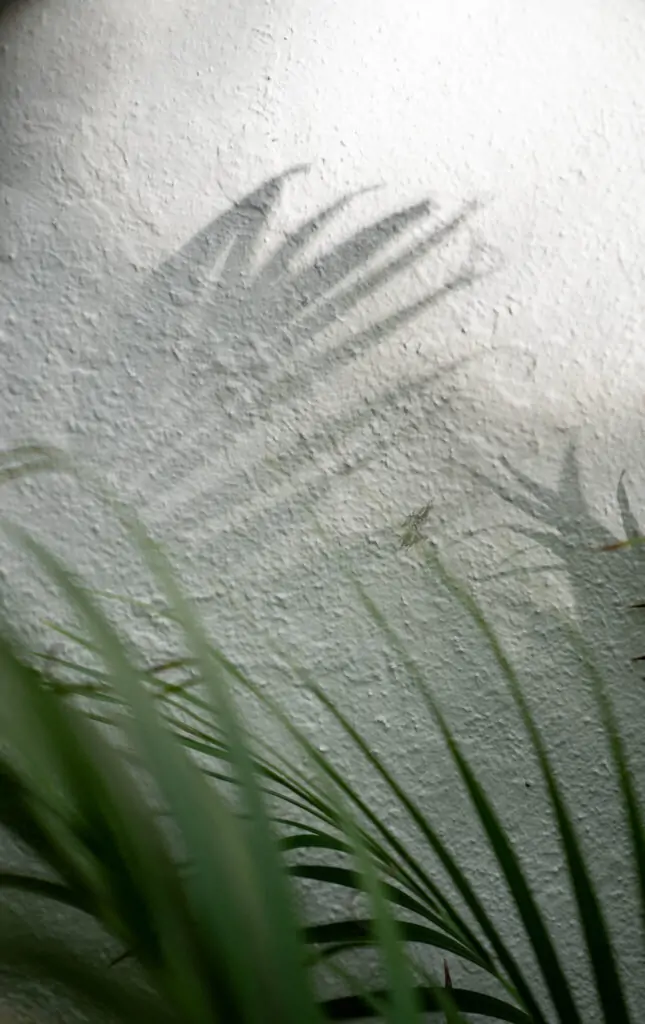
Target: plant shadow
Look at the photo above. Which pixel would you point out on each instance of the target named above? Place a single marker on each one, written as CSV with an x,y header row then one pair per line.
x,y
264,350
603,577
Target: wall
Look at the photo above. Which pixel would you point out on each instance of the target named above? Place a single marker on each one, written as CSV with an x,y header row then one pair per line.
x,y
459,328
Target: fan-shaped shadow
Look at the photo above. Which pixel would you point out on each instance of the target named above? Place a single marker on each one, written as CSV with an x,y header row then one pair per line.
x,y
604,584
254,339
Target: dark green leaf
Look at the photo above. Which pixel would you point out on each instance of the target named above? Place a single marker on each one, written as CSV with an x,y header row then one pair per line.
x,y
431,999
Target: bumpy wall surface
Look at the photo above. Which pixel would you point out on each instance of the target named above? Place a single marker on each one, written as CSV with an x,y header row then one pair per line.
x,y
317,280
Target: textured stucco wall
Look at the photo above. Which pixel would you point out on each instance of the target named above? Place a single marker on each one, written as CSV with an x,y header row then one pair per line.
x,y
161,316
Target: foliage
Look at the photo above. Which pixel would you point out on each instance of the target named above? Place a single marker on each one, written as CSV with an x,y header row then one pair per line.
x,y
200,884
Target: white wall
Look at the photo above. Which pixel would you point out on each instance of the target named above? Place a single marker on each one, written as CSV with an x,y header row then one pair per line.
x,y
136,329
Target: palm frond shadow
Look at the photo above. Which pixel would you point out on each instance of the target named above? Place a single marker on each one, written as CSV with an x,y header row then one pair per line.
x,y
246,333
561,524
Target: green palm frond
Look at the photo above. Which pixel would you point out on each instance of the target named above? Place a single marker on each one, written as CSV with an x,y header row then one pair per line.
x,y
154,808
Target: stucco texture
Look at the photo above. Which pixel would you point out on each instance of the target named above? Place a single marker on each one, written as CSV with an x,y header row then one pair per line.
x,y
288,273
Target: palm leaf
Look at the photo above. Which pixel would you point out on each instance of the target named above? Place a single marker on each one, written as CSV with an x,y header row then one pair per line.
x,y
598,941
431,1000
227,913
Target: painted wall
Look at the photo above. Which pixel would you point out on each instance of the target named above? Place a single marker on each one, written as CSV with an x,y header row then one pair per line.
x,y
272,266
